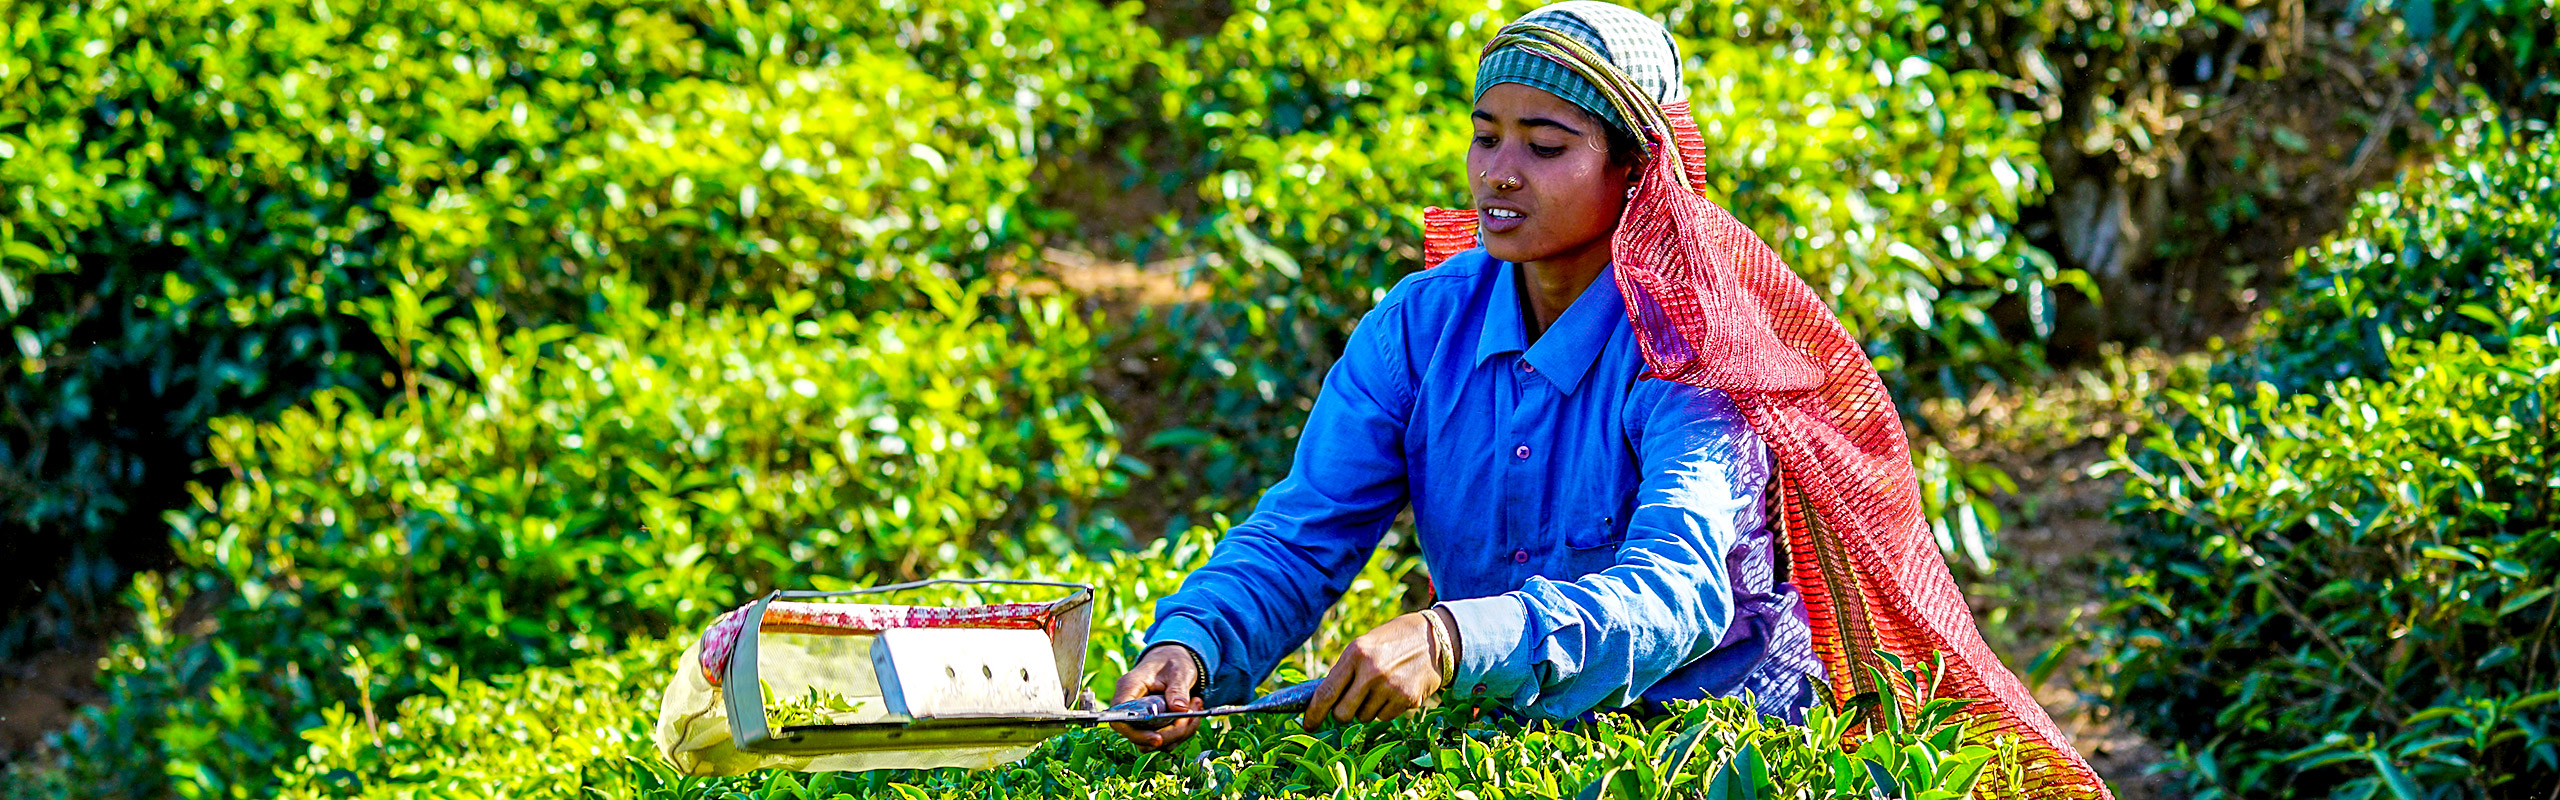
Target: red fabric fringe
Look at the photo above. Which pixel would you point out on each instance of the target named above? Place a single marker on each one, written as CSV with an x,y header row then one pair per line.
x,y
846,619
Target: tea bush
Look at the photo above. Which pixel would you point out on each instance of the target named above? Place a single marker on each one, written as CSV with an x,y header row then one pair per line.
x,y
549,730
502,736
1716,749
2341,574
191,190
583,731
538,733
572,491
2420,262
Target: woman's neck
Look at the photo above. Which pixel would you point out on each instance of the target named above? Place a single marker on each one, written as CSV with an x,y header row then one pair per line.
x,y
1550,286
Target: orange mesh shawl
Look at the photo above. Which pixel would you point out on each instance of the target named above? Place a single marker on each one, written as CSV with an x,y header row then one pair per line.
x,y
1713,307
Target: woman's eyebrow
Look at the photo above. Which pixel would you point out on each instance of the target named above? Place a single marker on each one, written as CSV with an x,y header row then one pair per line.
x,y
1532,122
1539,122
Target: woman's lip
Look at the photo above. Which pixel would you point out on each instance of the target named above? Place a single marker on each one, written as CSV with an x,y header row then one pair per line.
x,y
1494,224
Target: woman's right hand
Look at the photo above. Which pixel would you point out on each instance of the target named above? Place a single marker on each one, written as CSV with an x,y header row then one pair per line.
x,y
1165,669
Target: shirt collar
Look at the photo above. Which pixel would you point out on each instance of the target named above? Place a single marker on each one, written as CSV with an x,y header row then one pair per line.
x,y
1568,349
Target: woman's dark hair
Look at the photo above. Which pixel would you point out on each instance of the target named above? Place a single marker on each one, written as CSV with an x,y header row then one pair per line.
x,y
1625,150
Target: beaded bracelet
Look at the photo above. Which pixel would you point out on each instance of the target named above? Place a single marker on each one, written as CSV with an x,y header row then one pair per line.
x,y
1200,687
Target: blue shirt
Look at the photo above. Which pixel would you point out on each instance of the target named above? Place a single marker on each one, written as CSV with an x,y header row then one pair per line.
x,y
1599,537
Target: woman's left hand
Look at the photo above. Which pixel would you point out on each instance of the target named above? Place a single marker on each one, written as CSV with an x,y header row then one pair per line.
x,y
1384,673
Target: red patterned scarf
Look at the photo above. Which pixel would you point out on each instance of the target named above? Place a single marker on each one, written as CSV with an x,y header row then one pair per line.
x,y
1713,307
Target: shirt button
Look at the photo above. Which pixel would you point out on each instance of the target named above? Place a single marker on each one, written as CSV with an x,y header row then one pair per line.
x,y
1521,451
1519,556
1525,366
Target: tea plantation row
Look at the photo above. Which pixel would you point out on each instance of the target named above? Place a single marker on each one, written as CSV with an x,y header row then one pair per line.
x,y
502,344
583,730
2339,578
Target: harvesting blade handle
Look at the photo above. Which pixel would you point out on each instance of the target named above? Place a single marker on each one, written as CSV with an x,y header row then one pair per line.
x,y
1291,699
1145,713
1150,712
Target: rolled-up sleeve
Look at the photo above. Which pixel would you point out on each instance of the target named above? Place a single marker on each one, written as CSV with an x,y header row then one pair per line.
x,y
1558,649
1271,578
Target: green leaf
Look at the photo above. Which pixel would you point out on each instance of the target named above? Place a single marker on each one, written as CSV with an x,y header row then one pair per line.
x,y
2523,600
1598,787
1179,437
909,791
1369,763
1751,769
1965,772
1675,756
1940,711
23,252
1882,778
2401,786
2450,554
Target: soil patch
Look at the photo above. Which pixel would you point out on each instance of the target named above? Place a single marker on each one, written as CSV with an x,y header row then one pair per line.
x,y
42,694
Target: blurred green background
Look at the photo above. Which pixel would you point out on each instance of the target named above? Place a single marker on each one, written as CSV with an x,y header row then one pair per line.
x,y
364,353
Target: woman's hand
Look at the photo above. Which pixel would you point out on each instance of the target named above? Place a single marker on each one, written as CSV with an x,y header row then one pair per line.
x,y
1165,669
1384,673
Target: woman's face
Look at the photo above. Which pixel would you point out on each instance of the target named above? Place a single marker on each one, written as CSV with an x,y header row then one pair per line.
x,y
1544,188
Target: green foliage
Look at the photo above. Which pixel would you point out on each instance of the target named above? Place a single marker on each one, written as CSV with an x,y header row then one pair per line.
x,y
2344,586
816,707
538,733
2501,50
582,731
599,487
2430,258
2196,143
503,736
488,338
1718,748
192,191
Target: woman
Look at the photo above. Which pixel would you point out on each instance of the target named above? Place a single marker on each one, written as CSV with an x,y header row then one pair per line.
x,y
1591,415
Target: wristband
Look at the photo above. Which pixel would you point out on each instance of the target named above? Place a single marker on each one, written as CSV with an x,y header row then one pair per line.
x,y
1199,667
1444,657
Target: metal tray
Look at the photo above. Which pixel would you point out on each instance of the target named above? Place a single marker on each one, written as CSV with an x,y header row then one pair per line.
x,y
742,691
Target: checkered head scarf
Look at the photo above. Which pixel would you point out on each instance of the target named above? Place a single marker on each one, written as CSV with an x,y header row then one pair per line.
x,y
1633,42
1713,307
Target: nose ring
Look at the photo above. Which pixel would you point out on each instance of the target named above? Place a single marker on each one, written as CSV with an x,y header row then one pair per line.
x,y
1508,184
